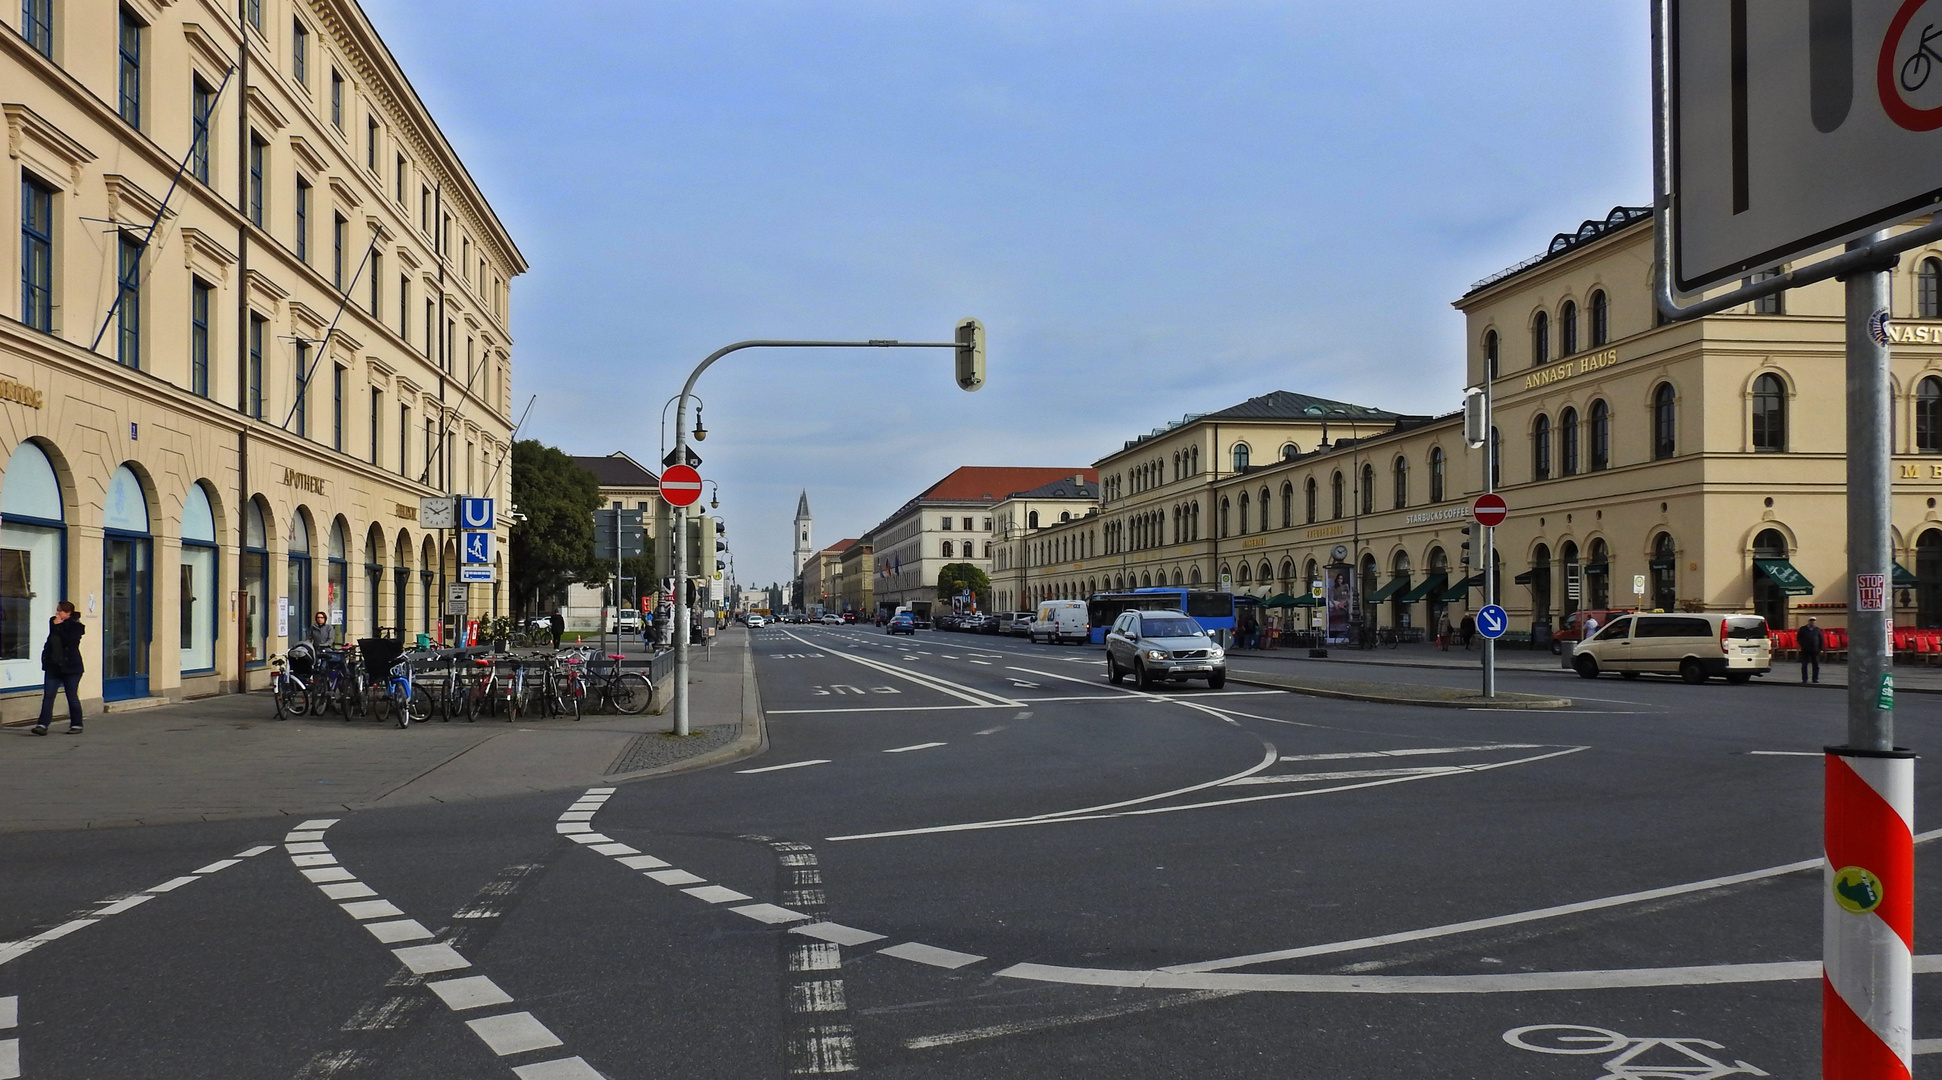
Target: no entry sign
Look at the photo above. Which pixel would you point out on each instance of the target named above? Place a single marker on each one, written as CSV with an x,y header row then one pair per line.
x,y
681,486
1490,510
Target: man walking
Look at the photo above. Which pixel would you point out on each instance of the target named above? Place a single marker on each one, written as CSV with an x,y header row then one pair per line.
x,y
557,623
60,660
1468,630
1811,641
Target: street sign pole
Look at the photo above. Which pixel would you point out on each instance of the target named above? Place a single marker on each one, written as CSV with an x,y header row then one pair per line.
x,y
1489,538
1871,716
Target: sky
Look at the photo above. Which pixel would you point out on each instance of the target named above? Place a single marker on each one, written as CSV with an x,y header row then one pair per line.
x,y
1156,207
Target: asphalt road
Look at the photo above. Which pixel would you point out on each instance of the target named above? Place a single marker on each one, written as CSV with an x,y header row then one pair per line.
x,y
971,857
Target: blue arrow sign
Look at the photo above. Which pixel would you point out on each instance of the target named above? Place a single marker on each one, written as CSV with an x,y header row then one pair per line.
x,y
475,513
1492,621
478,548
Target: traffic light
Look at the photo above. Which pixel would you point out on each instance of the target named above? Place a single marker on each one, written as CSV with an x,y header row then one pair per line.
x,y
970,353
700,527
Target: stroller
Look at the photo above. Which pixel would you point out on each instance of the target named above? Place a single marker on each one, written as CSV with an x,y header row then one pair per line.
x,y
380,656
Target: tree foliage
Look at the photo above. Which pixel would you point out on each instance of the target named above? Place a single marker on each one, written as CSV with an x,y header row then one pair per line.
x,y
553,546
959,577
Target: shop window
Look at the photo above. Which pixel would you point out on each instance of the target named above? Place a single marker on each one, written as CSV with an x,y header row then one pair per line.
x,y
1665,572
256,585
1769,600
337,583
33,562
198,607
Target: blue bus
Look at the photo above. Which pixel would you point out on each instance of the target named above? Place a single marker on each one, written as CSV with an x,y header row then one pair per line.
x,y
1214,611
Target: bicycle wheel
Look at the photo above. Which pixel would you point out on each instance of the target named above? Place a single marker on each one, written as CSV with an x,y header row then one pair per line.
x,y
631,692
292,698
379,705
418,703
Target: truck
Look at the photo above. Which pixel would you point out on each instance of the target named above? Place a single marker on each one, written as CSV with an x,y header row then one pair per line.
x,y
920,610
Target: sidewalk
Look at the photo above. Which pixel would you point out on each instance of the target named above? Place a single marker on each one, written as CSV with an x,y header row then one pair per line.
x,y
1909,678
226,757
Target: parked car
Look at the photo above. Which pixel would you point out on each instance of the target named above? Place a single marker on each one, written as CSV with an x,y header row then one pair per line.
x,y
990,624
902,623
1573,627
1059,621
627,621
832,620
1017,623
756,622
1692,645
1155,646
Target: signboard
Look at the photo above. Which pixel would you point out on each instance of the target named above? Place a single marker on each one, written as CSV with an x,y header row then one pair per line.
x,y
1490,510
282,616
1492,621
672,456
455,592
438,512
455,607
475,514
477,548
1337,583
1797,125
1871,592
1638,584
477,574
681,486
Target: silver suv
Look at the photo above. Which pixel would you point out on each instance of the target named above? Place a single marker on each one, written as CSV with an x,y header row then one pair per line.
x,y
1163,645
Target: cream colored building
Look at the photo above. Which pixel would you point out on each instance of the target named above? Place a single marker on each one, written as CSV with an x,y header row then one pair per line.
x,y
211,429
949,522
1696,465
822,579
859,577
1020,517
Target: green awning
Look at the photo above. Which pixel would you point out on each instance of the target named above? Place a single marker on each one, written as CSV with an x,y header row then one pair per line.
x,y
1456,591
1904,579
1280,600
1431,584
1782,573
1394,586
1307,601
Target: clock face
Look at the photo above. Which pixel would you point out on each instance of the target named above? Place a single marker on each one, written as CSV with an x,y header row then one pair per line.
x,y
1341,552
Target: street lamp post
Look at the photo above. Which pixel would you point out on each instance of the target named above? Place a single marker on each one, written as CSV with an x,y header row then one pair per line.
x,y
969,343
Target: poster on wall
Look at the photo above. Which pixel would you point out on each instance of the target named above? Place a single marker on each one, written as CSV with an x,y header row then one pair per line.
x,y
282,616
1338,596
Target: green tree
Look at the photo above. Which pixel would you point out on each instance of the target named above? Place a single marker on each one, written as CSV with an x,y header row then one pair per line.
x,y
553,546
959,577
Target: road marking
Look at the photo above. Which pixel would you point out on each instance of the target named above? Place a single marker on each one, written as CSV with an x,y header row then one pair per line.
x,y
919,953
791,765
1353,774
513,1033
1411,752
914,746
769,913
675,877
717,894
1267,759
836,933
371,909
640,862
1025,1027
396,930
882,708
1521,982
470,992
9,1048
1788,753
120,906
115,905
990,730
986,663
930,682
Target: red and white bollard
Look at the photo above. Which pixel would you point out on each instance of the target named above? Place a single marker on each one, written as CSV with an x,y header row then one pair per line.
x,y
1868,921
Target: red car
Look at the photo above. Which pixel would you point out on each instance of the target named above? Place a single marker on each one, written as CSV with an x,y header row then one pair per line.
x,y
1579,625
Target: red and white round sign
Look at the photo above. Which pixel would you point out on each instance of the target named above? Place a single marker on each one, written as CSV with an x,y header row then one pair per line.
x,y
1489,510
681,486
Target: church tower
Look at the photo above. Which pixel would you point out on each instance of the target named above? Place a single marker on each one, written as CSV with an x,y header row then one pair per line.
x,y
803,549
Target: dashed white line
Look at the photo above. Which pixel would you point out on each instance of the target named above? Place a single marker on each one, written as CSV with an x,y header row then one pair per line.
x,y
919,953
790,765
1787,753
9,1048
836,933
115,905
914,746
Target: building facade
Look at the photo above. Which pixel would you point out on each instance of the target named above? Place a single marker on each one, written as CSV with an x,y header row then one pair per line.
x,y
858,590
1019,518
949,522
262,312
1686,466
821,581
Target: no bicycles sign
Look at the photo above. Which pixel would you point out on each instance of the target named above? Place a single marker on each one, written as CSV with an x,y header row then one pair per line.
x,y
1797,125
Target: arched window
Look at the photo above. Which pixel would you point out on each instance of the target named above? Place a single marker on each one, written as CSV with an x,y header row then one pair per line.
x,y
1368,499
199,610
1598,576
1264,509
1193,575
1928,416
337,581
1436,474
1399,471
1176,464
1601,435
1928,577
1540,584
1247,576
1240,457
1541,448
1599,310
1031,520
1244,514
1769,414
298,578
33,556
1568,442
1665,572
1568,329
1224,508
987,549
1290,452
1573,581
1540,339
1490,352
1308,493
1928,289
124,619
1287,504
256,584
947,549
1664,430
1769,599
1335,491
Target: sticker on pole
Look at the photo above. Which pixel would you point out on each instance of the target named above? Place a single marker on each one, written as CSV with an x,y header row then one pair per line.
x,y
1857,890
681,486
1492,621
1871,592
1490,510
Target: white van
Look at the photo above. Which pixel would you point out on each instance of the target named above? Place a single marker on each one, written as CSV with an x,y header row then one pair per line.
x,y
1692,645
1059,621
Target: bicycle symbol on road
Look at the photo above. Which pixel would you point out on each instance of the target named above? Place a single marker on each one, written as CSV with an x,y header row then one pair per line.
x,y
1687,1057
1916,70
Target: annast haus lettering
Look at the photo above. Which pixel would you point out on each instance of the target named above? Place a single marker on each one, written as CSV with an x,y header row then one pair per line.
x,y
303,481
1915,333
1582,365
16,392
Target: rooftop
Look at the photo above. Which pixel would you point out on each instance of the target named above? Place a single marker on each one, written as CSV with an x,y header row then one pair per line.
x,y
1062,488
618,470
990,483
1278,405
1565,242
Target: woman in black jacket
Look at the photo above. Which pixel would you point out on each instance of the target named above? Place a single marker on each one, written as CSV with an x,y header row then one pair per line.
x,y
60,659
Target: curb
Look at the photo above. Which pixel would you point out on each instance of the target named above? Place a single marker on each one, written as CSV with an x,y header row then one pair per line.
x,y
1518,702
753,740
1525,668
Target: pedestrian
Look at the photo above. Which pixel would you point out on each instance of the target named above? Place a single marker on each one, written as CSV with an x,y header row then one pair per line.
x,y
60,660
319,633
557,623
1811,640
1468,631
1444,631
